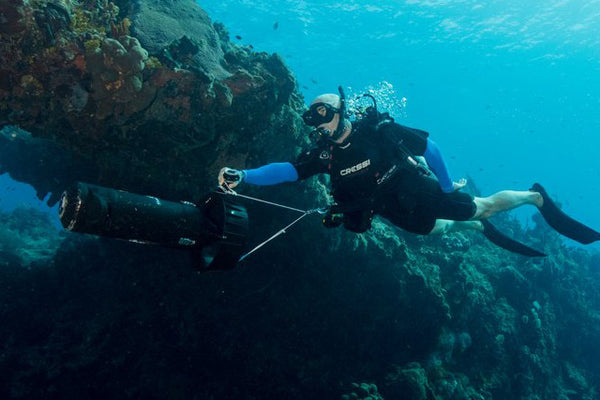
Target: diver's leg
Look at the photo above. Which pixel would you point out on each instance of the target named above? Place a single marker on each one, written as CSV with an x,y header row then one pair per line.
x,y
503,201
443,226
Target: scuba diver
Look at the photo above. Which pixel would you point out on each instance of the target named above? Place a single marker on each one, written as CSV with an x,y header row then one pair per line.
x,y
379,167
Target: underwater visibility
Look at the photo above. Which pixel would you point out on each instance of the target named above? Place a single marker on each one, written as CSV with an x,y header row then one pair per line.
x,y
299,200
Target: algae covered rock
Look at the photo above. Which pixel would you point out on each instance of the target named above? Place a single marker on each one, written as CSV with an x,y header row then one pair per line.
x,y
409,382
27,236
116,66
159,23
362,391
135,87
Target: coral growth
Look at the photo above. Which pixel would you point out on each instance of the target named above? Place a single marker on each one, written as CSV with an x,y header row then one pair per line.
x,y
108,83
27,236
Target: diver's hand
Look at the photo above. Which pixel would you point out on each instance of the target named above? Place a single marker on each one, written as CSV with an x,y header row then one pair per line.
x,y
459,185
231,177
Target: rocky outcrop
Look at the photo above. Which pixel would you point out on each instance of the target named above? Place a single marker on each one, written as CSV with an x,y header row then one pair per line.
x,y
27,237
184,20
136,88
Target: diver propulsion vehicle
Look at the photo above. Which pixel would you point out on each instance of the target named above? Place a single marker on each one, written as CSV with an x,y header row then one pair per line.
x,y
214,230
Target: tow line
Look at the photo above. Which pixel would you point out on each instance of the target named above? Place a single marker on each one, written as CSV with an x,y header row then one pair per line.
x,y
226,190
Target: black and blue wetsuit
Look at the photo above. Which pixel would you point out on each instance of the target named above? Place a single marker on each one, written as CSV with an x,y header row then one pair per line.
x,y
371,174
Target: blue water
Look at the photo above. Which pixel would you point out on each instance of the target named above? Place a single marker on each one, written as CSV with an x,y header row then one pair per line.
x,y
508,89
15,194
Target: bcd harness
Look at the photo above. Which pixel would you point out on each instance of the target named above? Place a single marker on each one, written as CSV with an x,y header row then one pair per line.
x,y
384,152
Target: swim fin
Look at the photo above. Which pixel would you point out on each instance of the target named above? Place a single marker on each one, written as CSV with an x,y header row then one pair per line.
x,y
561,222
501,240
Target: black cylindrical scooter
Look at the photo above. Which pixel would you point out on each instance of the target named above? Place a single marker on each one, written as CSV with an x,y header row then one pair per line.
x,y
215,230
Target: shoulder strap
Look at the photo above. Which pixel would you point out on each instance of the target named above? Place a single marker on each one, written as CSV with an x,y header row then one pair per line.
x,y
404,152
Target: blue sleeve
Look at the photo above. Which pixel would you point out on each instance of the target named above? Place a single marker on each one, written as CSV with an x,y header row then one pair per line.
x,y
434,159
271,174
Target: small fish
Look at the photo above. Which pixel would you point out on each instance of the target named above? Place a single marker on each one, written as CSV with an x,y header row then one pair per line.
x,y
314,81
238,37
275,25
250,46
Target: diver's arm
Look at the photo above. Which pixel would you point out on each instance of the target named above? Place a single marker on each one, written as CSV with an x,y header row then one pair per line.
x,y
434,159
271,174
306,165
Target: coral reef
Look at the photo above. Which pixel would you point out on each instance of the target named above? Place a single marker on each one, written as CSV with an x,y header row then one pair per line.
x,y
362,391
136,86
150,96
27,236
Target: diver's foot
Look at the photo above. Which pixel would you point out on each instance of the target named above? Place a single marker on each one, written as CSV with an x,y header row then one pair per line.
x,y
478,226
538,199
541,197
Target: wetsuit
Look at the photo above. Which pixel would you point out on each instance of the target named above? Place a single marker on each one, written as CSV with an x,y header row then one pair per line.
x,y
371,174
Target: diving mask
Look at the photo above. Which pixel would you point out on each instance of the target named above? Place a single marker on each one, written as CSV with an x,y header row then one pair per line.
x,y
319,113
